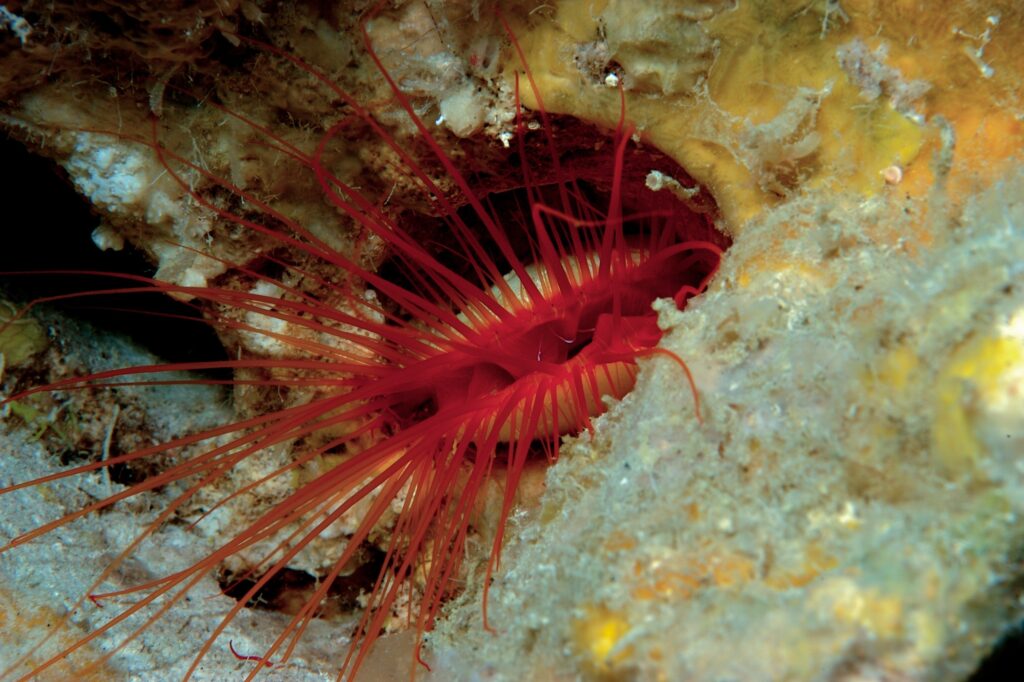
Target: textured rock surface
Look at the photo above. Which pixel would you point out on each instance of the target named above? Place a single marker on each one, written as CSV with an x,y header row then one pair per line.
x,y
849,507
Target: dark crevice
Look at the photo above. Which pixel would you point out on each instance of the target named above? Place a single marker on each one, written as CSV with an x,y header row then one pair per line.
x,y
48,226
288,590
1005,662
586,167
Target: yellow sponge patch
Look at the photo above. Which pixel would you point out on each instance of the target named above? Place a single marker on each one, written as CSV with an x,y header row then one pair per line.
x,y
597,636
970,381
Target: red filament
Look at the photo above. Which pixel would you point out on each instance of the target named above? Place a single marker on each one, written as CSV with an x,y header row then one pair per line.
x,y
453,369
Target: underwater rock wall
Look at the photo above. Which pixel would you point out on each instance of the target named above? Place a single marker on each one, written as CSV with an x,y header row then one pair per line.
x,y
848,506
